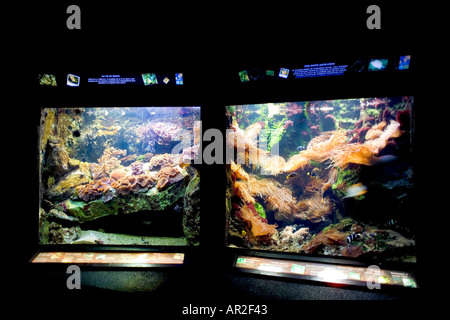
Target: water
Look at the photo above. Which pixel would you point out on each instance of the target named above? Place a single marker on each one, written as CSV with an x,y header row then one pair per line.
x,y
326,178
118,176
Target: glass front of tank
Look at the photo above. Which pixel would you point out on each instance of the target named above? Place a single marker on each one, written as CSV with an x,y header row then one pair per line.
x,y
119,176
325,178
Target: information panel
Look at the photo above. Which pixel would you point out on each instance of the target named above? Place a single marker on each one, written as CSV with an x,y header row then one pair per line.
x,y
111,258
372,276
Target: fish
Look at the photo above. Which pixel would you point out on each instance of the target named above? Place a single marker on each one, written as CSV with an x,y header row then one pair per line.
x,y
354,237
355,190
291,175
301,148
178,208
359,236
384,159
313,173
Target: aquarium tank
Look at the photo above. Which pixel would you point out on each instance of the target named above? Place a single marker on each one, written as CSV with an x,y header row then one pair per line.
x,y
119,176
323,178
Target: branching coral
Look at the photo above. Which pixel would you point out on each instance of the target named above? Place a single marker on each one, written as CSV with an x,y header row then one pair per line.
x,y
94,189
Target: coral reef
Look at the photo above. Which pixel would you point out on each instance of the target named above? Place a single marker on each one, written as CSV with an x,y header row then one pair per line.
x,y
163,160
137,168
131,183
168,176
94,189
162,133
117,174
291,238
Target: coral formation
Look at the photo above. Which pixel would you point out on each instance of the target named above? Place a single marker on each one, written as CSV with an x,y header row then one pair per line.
x,y
168,176
131,183
257,225
163,160
330,236
94,189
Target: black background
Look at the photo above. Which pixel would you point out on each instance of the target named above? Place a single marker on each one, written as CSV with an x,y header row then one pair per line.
x,y
209,43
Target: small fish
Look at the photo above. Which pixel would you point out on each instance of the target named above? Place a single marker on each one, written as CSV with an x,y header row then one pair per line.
x,y
313,173
291,175
355,190
391,223
301,148
384,159
354,237
243,233
76,133
178,208
147,222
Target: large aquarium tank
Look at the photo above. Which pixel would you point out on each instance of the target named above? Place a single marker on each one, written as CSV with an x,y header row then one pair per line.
x,y
119,176
323,178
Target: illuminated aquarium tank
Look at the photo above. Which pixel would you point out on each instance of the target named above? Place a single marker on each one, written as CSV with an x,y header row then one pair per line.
x,y
119,176
322,178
